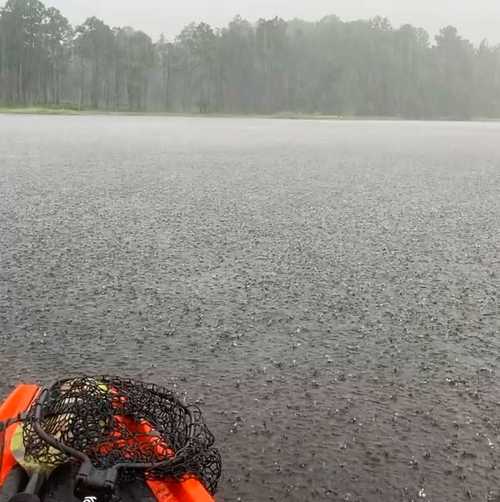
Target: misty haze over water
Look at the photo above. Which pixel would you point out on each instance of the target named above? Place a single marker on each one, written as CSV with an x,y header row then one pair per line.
x,y
366,68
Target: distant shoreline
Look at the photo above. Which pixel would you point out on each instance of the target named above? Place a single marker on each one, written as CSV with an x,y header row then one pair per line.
x,y
278,115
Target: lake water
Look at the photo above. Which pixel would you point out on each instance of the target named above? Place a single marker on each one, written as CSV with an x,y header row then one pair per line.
x,y
326,291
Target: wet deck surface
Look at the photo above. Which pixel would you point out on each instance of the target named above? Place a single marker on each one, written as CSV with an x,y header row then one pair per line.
x,y
327,291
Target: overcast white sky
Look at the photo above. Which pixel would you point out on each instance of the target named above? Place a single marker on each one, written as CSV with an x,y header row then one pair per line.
x,y
476,19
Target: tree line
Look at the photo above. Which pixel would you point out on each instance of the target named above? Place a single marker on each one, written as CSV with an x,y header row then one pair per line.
x,y
358,68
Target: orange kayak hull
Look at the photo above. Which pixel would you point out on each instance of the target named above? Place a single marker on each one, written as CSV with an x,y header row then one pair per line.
x,y
19,401
16,403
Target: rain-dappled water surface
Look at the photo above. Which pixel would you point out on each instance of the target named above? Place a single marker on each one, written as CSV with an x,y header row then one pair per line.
x,y
327,291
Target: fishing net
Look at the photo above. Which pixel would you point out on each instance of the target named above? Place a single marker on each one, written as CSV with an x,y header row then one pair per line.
x,y
144,429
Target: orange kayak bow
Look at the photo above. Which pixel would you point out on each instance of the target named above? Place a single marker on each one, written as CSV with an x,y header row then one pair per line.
x,y
13,411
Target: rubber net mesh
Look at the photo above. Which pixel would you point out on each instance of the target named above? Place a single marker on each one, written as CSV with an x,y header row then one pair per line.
x,y
117,421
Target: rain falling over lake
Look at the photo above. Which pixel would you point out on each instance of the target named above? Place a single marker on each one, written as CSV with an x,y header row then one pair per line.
x,y
326,291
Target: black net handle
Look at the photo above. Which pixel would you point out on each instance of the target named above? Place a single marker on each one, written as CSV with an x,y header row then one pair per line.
x,y
84,459
95,484
48,438
115,430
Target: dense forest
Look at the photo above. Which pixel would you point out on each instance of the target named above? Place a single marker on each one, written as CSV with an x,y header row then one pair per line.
x,y
365,68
